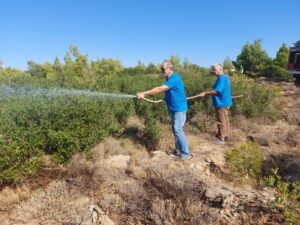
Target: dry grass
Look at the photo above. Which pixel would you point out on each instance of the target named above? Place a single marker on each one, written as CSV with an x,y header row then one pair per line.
x,y
278,136
149,189
10,197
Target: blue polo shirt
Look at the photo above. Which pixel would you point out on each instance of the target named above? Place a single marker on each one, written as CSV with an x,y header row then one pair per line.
x,y
175,97
223,99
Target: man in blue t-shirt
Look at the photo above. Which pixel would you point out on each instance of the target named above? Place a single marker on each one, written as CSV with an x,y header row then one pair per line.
x,y
222,100
177,105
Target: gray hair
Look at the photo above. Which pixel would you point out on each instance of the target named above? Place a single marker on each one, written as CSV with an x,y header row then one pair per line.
x,y
169,64
218,66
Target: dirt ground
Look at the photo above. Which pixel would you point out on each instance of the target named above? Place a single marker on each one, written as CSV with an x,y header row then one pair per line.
x,y
125,183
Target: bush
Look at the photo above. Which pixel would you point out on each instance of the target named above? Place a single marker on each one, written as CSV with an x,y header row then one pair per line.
x,y
256,101
55,125
246,162
40,122
152,132
287,196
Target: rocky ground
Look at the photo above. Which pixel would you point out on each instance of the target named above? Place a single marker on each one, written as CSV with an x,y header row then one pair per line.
x,y
125,183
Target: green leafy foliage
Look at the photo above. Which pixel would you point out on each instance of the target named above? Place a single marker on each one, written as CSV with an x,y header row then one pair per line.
x,y
106,67
282,56
246,162
32,126
287,195
254,59
153,133
59,126
278,68
229,68
36,70
256,101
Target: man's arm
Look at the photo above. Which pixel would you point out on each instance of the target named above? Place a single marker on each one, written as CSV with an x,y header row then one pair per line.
x,y
210,93
207,93
154,91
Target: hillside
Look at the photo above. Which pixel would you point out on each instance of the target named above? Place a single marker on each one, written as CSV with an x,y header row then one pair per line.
x,y
126,183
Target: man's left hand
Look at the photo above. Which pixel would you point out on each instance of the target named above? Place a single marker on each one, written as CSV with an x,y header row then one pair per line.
x,y
140,95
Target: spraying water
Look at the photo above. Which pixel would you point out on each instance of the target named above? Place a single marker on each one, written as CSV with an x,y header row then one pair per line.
x,y
7,92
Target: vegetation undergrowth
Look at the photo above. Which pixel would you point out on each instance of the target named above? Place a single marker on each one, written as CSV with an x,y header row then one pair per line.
x,y
246,163
287,195
33,125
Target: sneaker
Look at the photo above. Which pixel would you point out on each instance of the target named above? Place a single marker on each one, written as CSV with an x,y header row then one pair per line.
x,y
176,152
181,157
219,142
186,157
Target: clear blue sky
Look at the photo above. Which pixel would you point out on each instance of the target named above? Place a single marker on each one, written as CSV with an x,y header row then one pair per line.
x,y
205,32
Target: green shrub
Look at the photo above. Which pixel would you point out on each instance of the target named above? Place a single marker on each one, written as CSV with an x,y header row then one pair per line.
x,y
33,125
152,132
55,125
256,101
246,162
287,196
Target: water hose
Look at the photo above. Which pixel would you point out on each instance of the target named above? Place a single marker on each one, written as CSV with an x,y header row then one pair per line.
x,y
153,101
189,98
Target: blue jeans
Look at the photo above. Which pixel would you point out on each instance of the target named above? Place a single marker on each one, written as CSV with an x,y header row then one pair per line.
x,y
178,121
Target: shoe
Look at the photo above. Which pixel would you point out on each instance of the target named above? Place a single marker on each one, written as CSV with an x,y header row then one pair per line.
x,y
186,157
176,152
219,142
181,157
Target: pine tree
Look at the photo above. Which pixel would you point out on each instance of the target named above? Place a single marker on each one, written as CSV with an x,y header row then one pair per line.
x,y
254,59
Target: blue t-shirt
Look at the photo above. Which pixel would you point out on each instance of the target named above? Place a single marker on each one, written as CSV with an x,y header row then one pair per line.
x,y
175,97
223,99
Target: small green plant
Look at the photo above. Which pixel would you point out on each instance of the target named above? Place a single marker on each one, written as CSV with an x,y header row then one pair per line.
x,y
246,162
152,131
287,196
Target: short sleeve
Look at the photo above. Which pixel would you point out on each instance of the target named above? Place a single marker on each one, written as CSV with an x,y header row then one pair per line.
x,y
170,83
219,86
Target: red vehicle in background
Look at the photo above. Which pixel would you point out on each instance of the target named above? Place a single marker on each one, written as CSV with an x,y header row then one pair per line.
x,y
294,62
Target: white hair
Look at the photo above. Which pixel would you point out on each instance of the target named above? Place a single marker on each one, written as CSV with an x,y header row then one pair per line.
x,y
218,66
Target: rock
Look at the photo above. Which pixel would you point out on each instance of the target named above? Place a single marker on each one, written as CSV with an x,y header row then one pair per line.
x,y
105,220
99,217
216,192
215,196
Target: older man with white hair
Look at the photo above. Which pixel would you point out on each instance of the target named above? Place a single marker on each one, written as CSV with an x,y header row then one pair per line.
x,y
222,100
177,105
